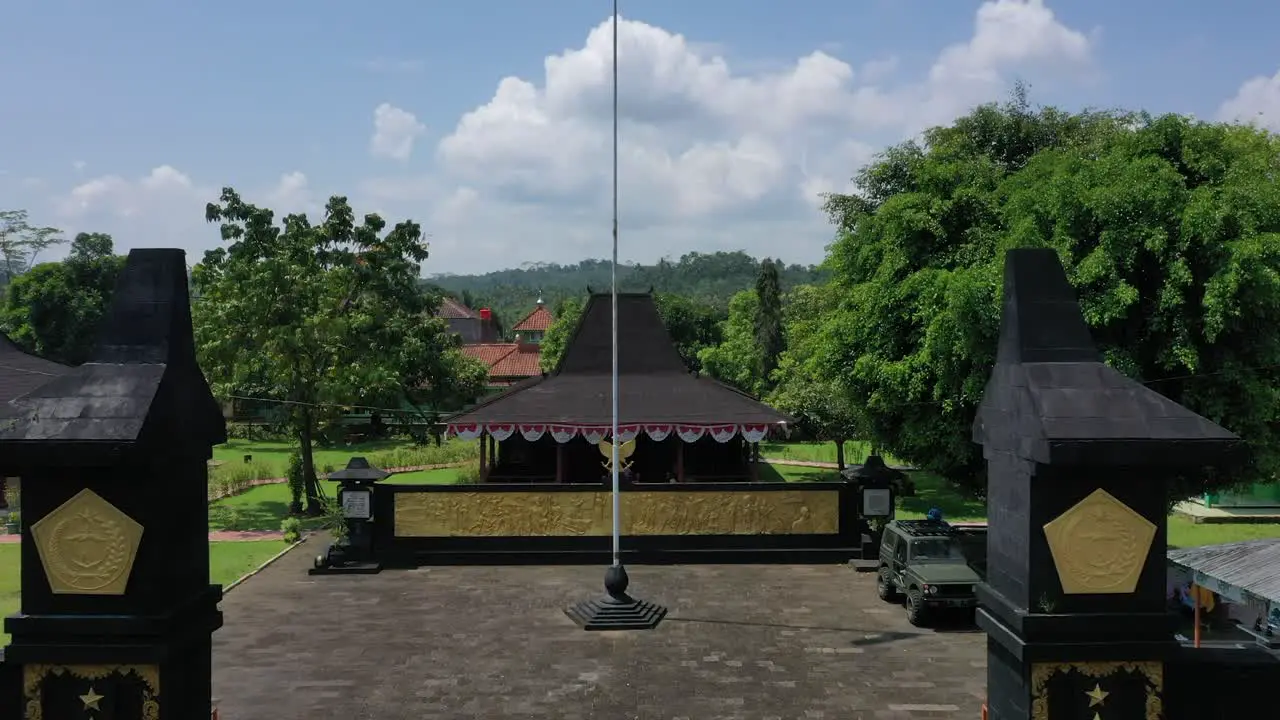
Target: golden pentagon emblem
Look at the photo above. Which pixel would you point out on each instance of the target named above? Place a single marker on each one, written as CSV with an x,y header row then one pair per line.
x,y
1099,545
87,546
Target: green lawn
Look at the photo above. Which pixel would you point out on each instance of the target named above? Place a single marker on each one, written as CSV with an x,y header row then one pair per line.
x,y
266,506
855,451
276,454
228,562
932,491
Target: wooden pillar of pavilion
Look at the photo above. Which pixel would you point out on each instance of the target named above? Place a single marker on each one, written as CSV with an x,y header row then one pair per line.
x,y
559,463
679,459
484,456
754,460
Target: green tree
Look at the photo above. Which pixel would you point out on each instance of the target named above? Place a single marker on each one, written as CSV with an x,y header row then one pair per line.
x,y
54,309
1168,228
768,320
318,316
736,360
821,405
693,326
21,242
555,341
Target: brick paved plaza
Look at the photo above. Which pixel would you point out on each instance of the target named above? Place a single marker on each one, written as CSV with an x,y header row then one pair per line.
x,y
747,641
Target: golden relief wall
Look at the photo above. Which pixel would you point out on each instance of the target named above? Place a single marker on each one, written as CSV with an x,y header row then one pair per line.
x,y
589,513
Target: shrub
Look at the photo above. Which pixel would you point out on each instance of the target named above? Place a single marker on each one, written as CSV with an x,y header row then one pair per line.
x,y
334,521
297,482
451,452
468,475
292,529
15,517
224,516
257,431
234,478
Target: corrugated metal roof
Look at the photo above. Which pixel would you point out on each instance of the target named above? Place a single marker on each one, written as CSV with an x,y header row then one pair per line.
x,y
1252,566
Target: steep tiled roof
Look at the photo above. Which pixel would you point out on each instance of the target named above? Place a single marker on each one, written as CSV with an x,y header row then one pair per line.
x,y
537,321
21,373
451,309
489,353
524,361
507,360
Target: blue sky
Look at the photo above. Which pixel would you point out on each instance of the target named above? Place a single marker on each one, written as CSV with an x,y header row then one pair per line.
x,y
127,117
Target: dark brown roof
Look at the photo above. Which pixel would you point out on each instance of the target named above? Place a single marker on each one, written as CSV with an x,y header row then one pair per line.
x,y
20,372
537,321
451,309
654,386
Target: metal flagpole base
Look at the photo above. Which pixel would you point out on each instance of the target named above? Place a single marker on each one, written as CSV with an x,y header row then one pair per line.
x,y
618,610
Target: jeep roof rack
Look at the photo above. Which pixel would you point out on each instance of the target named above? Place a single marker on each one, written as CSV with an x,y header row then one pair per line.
x,y
926,528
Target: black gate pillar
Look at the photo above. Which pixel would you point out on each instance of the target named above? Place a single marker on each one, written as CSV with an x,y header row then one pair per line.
x,y
117,610
1078,459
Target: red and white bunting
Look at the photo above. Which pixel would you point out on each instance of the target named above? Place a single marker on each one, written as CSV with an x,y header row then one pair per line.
x,y
690,433
722,433
754,433
467,432
563,433
501,431
657,433
594,434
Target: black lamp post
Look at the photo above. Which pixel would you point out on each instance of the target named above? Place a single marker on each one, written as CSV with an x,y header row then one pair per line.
x,y
354,555
875,484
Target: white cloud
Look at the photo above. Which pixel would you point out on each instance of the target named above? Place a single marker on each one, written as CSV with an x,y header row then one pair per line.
x,y
706,145
292,194
713,155
1257,102
394,132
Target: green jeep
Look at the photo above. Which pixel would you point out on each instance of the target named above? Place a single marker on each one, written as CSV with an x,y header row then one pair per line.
x,y
925,561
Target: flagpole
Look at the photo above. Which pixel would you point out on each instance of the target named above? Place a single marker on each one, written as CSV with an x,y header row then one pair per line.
x,y
613,277
618,610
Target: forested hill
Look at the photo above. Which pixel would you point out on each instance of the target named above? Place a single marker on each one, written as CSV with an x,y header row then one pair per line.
x,y
707,278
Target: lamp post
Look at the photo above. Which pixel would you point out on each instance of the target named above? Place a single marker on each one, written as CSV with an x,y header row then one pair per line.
x,y
353,555
617,610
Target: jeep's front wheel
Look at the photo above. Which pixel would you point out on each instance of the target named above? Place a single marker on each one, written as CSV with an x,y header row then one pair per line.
x,y
884,586
916,614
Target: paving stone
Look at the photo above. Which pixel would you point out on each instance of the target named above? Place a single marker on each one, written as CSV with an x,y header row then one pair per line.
x,y
741,642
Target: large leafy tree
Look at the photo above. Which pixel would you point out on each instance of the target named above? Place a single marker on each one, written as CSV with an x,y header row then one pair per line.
x,y
54,309
1167,228
803,389
21,242
736,360
768,320
320,316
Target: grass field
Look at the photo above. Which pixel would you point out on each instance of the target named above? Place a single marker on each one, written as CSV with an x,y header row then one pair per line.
x,y
228,561
275,455
855,451
266,506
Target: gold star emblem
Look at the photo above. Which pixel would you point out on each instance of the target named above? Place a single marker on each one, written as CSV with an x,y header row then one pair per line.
x,y
1097,696
91,699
